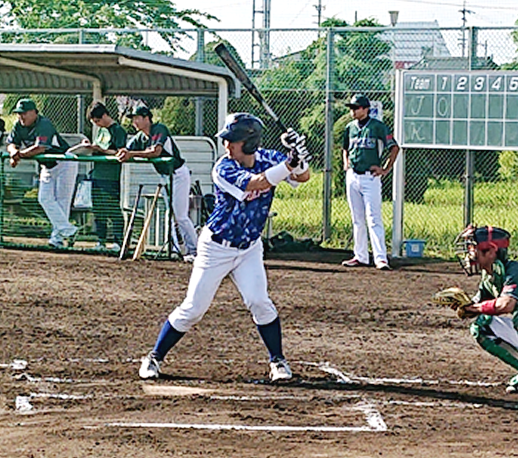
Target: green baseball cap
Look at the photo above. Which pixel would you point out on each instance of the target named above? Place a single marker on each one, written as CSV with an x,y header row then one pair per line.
x,y
359,100
24,105
140,111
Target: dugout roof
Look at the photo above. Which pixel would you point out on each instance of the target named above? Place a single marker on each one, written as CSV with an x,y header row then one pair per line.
x,y
104,70
110,69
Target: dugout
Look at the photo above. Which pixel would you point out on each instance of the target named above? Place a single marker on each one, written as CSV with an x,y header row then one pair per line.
x,y
105,70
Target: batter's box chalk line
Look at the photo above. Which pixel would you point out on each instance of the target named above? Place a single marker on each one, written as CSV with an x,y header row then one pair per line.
x,y
373,419
343,377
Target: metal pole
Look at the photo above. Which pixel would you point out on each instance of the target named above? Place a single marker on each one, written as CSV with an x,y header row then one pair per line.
x,y
469,178
200,57
398,177
328,160
469,185
80,99
170,230
2,196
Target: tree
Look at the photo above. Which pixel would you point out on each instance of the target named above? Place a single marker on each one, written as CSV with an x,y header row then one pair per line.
x,y
296,82
59,14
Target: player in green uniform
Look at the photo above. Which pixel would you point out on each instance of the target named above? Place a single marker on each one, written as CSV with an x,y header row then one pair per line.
x,y
155,140
106,192
364,142
34,134
485,249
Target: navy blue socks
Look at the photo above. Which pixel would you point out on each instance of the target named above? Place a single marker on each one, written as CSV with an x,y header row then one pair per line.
x,y
166,340
272,338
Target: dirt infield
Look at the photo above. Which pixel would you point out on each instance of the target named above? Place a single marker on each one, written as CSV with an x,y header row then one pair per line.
x,y
378,370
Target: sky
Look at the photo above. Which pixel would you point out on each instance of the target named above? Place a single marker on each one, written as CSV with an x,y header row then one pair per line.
x,y
304,13
300,14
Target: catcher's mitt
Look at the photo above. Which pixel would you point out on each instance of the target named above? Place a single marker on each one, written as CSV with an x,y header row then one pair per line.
x,y
456,299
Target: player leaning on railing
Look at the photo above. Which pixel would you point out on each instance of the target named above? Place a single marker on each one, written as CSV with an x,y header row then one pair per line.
x,y
230,244
33,134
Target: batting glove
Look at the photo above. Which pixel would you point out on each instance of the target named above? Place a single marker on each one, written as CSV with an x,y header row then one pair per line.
x,y
295,142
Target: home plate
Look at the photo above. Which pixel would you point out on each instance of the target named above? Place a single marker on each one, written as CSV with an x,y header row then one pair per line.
x,y
157,390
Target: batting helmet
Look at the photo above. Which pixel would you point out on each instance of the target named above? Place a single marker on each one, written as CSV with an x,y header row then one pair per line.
x,y
482,238
241,127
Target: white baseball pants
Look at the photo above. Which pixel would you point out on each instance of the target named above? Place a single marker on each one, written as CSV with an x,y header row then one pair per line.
x,y
364,198
503,327
55,196
212,264
181,192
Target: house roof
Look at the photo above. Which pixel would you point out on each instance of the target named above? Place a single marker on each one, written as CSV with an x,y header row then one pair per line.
x,y
455,63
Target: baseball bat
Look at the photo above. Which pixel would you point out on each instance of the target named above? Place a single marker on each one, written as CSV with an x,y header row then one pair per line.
x,y
234,66
142,239
129,230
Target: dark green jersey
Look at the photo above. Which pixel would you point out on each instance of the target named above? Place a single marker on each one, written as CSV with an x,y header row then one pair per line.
x,y
365,145
159,135
42,133
109,138
502,282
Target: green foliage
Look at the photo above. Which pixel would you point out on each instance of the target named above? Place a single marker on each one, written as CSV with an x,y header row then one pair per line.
x,y
31,14
508,161
178,115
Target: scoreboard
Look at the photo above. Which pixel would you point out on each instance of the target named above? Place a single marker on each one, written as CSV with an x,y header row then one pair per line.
x,y
475,110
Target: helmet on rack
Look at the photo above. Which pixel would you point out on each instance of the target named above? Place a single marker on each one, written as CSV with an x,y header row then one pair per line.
x,y
241,127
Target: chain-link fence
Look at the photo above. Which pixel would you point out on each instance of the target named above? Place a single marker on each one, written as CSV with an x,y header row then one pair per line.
x,y
307,76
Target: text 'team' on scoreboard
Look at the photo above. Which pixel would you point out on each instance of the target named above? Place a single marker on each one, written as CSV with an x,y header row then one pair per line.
x,y
460,109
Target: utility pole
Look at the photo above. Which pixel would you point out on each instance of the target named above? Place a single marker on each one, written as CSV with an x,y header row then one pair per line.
x,y
262,35
319,9
463,40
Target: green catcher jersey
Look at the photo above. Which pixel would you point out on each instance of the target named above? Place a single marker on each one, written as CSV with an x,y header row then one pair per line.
x,y
502,282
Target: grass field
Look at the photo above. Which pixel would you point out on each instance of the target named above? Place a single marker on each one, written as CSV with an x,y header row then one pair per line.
x,y
437,220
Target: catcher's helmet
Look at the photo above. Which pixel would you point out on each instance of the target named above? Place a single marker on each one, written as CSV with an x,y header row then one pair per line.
x,y
243,127
482,238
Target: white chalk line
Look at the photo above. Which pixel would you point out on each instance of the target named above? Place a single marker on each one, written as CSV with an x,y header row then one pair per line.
x,y
271,428
372,417
341,376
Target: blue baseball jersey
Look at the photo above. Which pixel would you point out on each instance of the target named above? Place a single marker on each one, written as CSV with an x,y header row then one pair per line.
x,y
239,216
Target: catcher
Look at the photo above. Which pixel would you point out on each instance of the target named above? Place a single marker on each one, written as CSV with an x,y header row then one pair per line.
x,y
484,250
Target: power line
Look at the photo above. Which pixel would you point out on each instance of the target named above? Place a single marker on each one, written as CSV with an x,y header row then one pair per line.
x,y
503,8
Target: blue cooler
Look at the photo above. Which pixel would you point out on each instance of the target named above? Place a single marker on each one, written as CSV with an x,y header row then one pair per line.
x,y
414,248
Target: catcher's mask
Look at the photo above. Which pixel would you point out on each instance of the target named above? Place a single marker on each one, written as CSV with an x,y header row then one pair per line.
x,y
243,127
482,238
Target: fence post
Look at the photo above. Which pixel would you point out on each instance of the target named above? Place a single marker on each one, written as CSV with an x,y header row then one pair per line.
x,y
198,103
80,98
470,155
328,160
2,197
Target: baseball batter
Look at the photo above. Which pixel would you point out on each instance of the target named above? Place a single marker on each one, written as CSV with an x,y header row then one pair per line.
x,y
155,140
486,248
364,141
230,244
34,134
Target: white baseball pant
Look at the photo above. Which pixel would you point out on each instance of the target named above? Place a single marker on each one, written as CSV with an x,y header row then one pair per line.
x,y
364,198
55,196
181,192
212,264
